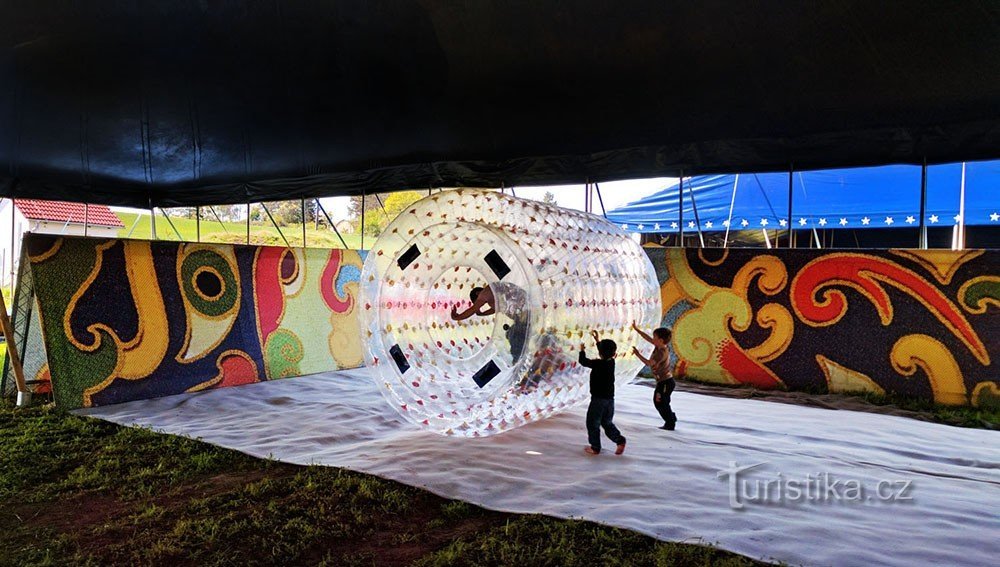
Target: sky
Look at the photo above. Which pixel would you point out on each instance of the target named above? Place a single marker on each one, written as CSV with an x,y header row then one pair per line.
x,y
614,194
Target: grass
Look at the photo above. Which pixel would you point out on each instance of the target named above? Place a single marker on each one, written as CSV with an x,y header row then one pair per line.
x,y
80,491
234,232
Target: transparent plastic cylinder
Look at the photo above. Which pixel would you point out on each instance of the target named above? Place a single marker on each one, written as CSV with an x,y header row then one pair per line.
x,y
556,274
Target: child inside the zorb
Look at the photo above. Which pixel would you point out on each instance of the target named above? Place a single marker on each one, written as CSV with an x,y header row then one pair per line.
x,y
513,304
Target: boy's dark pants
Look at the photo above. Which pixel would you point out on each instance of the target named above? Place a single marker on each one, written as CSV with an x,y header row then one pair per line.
x,y
663,390
600,414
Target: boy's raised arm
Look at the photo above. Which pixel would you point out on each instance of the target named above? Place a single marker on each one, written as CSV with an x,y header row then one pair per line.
x,y
644,360
641,333
584,361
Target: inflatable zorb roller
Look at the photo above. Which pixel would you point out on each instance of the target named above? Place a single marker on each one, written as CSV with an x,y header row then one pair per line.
x,y
555,275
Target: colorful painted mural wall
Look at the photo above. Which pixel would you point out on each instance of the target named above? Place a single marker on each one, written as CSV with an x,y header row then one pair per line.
x,y
131,319
917,323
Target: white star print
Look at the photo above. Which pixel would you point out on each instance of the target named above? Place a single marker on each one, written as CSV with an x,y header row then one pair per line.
x,y
889,221
958,218
843,222
865,221
744,222
822,222
708,224
691,224
673,225
933,219
763,222
910,220
656,226
725,223
624,227
802,222
641,226
995,217
782,222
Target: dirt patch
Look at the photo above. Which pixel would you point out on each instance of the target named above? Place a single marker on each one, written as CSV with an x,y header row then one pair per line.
x,y
410,537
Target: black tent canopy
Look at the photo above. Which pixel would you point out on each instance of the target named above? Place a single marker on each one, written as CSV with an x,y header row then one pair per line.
x,y
186,102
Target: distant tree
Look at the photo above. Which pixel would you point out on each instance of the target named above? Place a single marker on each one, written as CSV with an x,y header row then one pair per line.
x,y
378,218
371,203
225,212
549,198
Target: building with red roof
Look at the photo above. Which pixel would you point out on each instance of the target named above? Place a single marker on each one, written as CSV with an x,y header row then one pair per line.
x,y
49,217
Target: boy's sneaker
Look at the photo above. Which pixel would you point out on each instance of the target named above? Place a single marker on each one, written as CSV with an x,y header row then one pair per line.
x,y
591,451
667,426
620,448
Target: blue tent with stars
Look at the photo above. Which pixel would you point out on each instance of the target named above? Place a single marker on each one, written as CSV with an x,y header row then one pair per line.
x,y
856,198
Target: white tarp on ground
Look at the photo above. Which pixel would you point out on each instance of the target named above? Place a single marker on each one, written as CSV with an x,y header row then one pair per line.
x,y
666,484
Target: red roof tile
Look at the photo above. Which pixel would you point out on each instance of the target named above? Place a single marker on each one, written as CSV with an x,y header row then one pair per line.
x,y
60,211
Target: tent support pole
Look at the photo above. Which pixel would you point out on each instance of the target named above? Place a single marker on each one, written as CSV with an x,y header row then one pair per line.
x,y
248,223
600,200
922,239
680,211
379,199
23,394
302,203
732,203
222,224
13,244
197,224
152,221
697,221
791,170
816,236
171,223
86,218
278,228
364,196
330,222
961,212
134,224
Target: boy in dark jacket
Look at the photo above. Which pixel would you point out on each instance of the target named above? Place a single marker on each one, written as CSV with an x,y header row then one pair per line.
x,y
602,397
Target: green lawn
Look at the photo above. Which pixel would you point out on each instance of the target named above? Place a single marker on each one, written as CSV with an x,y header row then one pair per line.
x,y
79,491
234,232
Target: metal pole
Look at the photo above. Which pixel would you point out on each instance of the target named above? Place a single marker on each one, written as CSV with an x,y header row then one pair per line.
x,y
248,223
86,217
697,221
363,198
961,212
13,222
197,223
152,220
732,203
791,169
135,223
600,200
680,211
922,238
218,218
281,234
171,223
303,203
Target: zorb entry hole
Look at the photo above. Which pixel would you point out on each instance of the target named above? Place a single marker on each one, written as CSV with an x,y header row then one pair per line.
x,y
425,293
